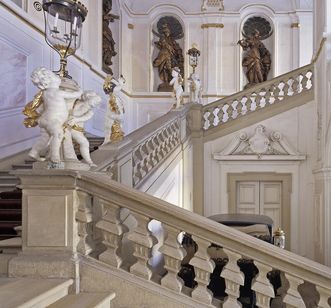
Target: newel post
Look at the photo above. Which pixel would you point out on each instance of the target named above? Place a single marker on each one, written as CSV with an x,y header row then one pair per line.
x,y
50,234
195,123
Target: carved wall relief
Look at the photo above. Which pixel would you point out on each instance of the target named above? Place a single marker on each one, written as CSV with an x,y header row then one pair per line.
x,y
108,43
169,54
256,60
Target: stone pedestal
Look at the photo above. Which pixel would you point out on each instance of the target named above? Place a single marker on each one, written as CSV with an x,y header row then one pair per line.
x,y
49,230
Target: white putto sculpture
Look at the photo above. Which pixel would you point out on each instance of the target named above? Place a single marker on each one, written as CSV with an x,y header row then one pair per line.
x,y
195,88
59,120
54,113
82,111
115,111
177,82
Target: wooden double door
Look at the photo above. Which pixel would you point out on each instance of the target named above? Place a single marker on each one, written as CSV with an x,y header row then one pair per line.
x,y
260,197
262,194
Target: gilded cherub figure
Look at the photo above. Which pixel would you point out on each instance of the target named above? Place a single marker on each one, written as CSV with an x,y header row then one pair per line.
x,y
115,110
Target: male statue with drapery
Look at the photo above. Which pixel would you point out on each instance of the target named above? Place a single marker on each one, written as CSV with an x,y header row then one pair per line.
x,y
256,58
170,53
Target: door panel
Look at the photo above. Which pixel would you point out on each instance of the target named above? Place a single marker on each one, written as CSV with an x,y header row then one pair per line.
x,y
248,197
270,201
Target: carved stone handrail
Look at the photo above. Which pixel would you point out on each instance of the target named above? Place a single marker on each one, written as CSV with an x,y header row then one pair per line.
x,y
272,92
99,195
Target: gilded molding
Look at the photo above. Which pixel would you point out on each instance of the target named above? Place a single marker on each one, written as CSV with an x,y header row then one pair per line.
x,y
212,25
131,26
295,25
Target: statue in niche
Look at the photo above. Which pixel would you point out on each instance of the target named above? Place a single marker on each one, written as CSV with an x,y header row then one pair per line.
x,y
108,43
256,59
170,53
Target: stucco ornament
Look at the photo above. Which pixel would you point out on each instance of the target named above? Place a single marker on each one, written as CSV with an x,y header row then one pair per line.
x,y
259,143
177,82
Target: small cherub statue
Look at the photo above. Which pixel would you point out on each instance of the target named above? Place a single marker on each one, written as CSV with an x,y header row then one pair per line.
x,y
115,110
54,113
195,88
177,82
81,112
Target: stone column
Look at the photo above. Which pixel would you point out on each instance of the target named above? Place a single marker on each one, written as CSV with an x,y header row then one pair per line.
x,y
212,53
195,125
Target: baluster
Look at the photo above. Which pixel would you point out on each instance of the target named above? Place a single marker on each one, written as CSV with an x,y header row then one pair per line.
x,y
262,286
112,231
258,100
286,87
143,241
267,97
230,112
84,217
173,254
293,298
249,103
220,114
211,117
304,82
276,92
234,278
240,106
203,267
325,294
295,85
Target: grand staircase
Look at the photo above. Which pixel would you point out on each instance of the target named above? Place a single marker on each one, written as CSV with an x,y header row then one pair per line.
x,y
106,234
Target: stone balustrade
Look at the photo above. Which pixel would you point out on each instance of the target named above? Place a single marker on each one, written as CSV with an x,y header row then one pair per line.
x,y
144,150
276,91
106,212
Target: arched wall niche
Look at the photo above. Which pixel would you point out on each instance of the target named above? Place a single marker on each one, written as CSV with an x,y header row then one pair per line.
x,y
155,14
270,43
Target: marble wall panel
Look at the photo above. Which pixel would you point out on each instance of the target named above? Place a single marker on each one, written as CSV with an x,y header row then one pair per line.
x,y
13,71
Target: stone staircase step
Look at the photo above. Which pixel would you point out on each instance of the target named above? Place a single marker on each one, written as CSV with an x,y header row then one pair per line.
x,y
85,300
7,187
8,179
10,214
10,204
27,292
11,246
21,166
14,194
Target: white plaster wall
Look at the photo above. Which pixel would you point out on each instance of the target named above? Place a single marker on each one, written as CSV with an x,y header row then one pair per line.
x,y
298,126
